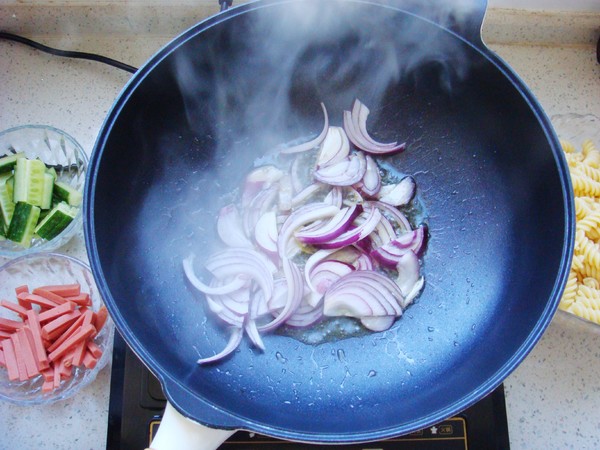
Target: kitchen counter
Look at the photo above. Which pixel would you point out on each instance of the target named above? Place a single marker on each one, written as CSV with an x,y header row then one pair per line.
x,y
552,398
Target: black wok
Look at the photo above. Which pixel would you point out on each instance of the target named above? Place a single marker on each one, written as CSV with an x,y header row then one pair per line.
x,y
490,174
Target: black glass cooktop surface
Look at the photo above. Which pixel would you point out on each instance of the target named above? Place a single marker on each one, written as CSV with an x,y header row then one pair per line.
x,y
137,403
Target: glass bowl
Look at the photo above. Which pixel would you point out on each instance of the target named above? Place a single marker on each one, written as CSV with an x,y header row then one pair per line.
x,y
58,150
42,269
576,128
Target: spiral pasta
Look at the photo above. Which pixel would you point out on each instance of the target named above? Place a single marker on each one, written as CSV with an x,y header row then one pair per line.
x,y
582,292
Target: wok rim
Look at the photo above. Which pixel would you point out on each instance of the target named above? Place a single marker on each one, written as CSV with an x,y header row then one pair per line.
x,y
231,420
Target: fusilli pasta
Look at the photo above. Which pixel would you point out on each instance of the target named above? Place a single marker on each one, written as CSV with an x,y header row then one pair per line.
x,y
582,293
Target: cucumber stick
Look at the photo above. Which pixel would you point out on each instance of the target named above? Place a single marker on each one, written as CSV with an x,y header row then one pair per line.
x,y
64,192
33,201
56,221
7,205
7,162
29,181
47,191
10,185
52,171
22,225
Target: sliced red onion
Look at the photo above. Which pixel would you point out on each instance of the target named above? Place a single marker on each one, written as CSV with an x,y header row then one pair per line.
x,y
360,114
218,309
353,255
364,262
265,261
292,249
295,292
378,323
414,240
258,180
279,297
230,229
368,221
309,311
228,299
352,133
265,232
361,142
231,308
264,175
401,194
295,169
351,303
235,338
382,234
343,173
313,298
392,213
414,292
259,305
225,314
356,129
264,200
408,268
260,204
335,196
235,261
327,272
315,225
363,293
302,216
238,282
306,314
305,319
371,181
330,229
306,193
334,148
236,302
286,192
348,254
253,333
389,294
312,261
231,303
389,253
314,142
366,245
351,236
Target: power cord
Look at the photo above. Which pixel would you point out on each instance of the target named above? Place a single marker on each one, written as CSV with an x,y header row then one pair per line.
x,y
68,53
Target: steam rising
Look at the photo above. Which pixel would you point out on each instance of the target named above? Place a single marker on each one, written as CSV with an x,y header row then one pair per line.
x,y
256,80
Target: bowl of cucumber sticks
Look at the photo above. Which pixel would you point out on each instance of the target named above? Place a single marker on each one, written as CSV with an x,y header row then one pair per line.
x,y
42,174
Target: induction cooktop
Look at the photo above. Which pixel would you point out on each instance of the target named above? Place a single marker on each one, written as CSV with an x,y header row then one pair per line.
x,y
137,403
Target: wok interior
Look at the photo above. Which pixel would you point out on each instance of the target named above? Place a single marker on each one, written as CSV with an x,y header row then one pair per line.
x,y
177,144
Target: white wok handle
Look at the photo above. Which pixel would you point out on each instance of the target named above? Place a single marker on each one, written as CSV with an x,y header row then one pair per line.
x,y
177,432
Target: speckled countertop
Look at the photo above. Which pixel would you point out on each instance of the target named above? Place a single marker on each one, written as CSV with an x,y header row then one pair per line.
x,y
552,398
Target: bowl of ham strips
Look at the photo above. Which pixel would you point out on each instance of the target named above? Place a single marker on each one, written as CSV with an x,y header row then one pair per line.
x,y
55,333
